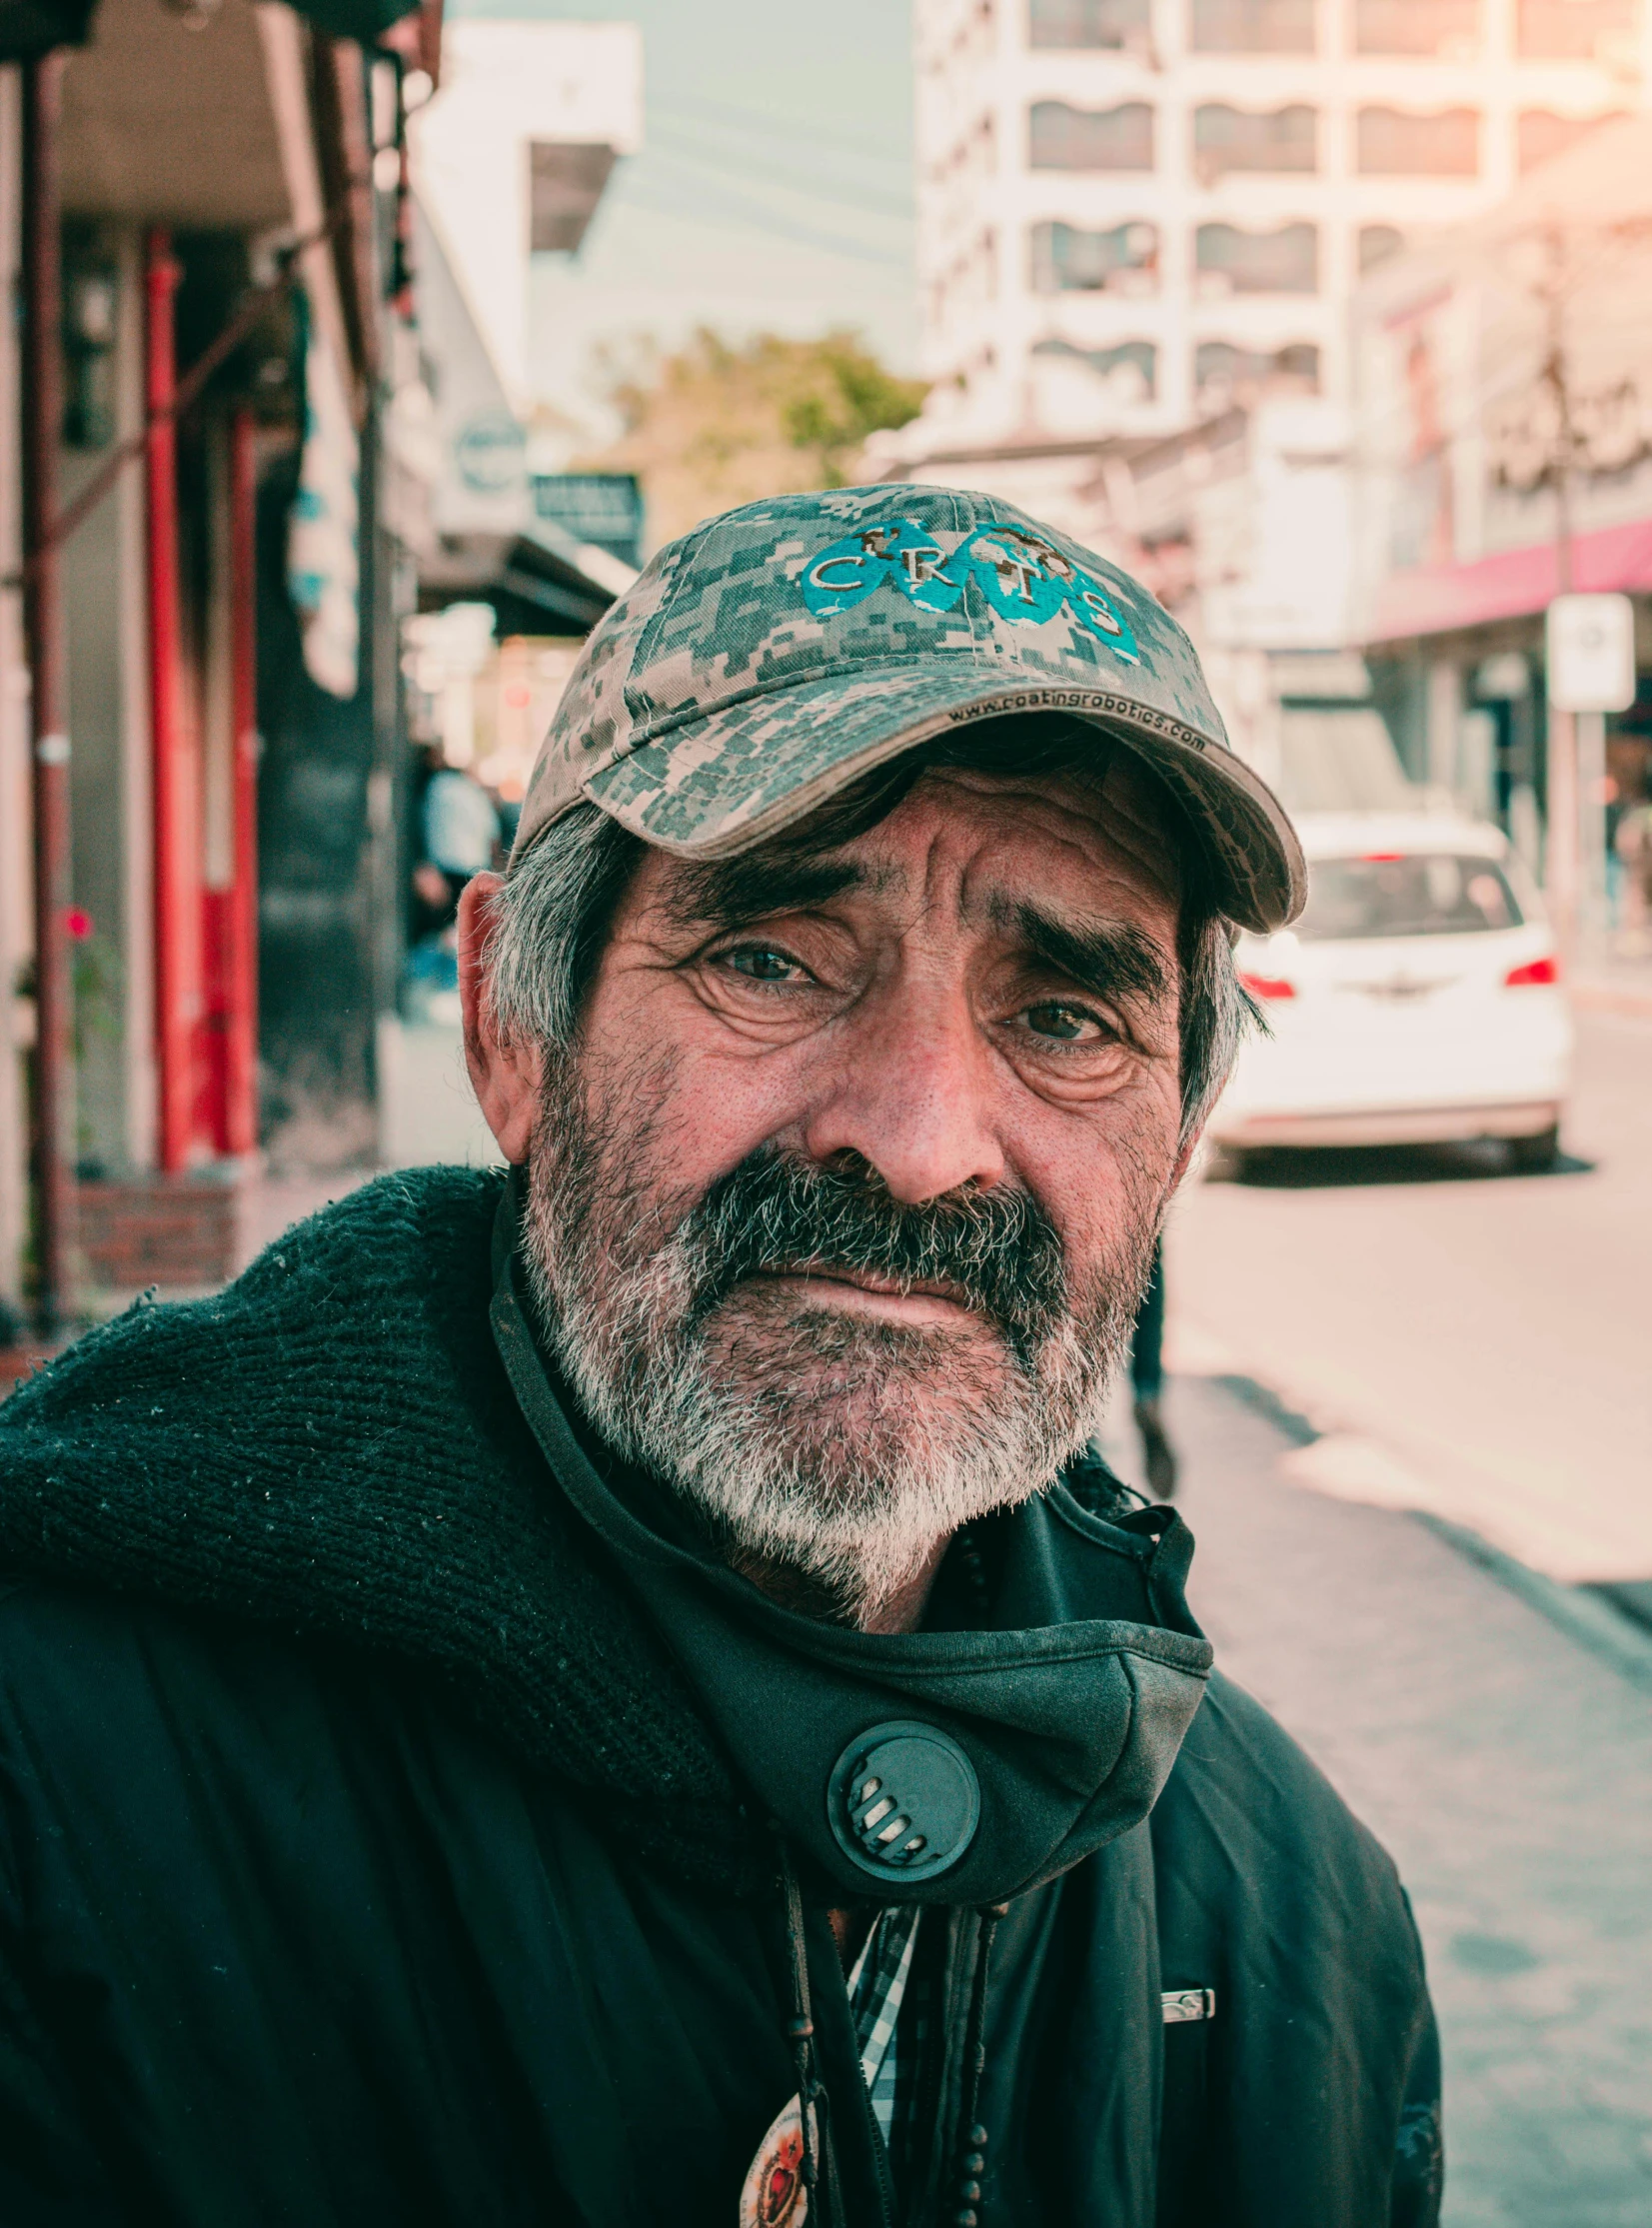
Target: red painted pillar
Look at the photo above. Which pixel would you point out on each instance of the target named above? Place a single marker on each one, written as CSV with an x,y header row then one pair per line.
x,y
176,806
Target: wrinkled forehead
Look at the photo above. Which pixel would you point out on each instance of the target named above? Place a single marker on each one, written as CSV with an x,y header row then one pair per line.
x,y
1110,811
1101,839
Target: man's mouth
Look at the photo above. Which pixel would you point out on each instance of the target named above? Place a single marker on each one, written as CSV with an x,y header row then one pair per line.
x,y
861,1291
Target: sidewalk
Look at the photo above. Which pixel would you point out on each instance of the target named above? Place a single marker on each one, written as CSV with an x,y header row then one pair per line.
x,y
430,1114
1508,1770
1465,1340
1614,984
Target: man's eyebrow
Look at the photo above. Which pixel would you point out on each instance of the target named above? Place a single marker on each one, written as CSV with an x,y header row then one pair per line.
x,y
722,893
1111,959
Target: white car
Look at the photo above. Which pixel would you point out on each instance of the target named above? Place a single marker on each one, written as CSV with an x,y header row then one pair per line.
x,y
1417,1000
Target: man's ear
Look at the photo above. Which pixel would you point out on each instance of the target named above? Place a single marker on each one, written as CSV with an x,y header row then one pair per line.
x,y
1184,1161
505,1075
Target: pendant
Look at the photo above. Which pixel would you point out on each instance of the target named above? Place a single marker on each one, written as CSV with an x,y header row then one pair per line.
x,y
774,2195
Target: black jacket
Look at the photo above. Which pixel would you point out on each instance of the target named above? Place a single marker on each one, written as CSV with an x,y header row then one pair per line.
x,y
374,1850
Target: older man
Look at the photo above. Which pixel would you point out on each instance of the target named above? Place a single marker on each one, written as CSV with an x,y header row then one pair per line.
x,y
623,1696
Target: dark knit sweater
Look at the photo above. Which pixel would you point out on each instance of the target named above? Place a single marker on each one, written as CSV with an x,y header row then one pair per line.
x,y
282,1940
331,1447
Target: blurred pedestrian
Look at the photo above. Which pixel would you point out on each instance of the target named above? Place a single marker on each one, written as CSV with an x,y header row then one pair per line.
x,y
616,1692
459,829
1147,1383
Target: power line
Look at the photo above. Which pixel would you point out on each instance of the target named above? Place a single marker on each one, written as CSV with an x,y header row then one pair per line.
x,y
742,208
790,129
882,204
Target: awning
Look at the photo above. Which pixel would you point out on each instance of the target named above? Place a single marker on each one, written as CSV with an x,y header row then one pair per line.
x,y
33,27
366,20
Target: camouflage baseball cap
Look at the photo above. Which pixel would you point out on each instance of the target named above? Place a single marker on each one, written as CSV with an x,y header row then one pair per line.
x,y
779,652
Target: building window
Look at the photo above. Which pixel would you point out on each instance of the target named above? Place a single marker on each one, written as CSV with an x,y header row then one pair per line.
x,y
1067,260
1064,138
1377,242
1227,139
1224,375
1577,30
1117,24
565,184
1447,28
1251,25
1541,135
1395,142
1230,261
1129,372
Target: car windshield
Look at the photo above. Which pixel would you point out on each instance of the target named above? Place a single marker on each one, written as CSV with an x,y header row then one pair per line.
x,y
1405,893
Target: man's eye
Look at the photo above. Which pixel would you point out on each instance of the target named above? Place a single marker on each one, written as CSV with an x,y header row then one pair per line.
x,y
1066,1023
762,962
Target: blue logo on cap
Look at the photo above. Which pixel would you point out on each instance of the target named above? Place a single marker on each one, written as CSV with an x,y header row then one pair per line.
x,y
1024,578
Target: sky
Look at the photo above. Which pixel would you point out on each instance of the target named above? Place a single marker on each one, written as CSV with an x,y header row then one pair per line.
x,y
774,190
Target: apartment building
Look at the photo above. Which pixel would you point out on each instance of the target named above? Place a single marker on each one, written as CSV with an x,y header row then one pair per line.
x,y
1134,214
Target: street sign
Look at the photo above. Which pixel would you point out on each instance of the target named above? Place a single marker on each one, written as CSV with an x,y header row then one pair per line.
x,y
1590,644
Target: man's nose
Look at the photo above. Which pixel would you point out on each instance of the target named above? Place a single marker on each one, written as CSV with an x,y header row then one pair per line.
x,y
911,1095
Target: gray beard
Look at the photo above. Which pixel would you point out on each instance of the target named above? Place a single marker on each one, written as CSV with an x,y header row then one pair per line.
x,y
833,1448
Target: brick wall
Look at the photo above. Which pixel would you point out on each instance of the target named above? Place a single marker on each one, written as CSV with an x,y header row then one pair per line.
x,y
177,1232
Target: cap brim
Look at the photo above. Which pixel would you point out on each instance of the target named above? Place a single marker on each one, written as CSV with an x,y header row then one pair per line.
x,y
721,783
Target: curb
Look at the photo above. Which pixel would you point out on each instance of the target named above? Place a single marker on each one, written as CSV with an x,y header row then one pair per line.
x,y
1580,1612
1587,1614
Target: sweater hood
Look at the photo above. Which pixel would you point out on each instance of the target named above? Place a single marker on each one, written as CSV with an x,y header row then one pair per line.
x,y
329,1447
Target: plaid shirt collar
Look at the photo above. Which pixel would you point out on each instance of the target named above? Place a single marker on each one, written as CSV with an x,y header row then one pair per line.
x,y
877,1990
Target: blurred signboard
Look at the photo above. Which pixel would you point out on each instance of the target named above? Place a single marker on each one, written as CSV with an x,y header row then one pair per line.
x,y
1589,642
605,508
488,450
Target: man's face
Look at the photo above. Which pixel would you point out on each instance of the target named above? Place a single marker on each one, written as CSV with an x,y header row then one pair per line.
x,y
842,1203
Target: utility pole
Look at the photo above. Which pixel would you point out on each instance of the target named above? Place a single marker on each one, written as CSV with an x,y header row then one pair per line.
x,y
1562,784
1591,625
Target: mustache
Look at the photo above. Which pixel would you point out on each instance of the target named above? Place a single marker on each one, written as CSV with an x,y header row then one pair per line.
x,y
776,1213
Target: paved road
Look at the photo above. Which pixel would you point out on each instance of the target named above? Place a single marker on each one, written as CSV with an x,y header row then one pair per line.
x,y
1474,1341
1509,1771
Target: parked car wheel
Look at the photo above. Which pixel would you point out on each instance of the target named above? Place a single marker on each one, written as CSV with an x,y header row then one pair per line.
x,y
1535,1155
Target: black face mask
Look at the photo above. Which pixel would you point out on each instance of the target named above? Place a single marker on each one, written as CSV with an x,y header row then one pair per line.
x,y
935,1766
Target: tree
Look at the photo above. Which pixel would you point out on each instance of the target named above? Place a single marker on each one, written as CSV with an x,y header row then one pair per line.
x,y
714,424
